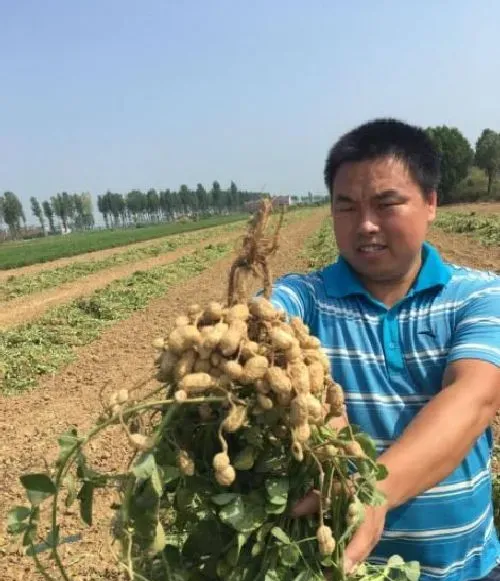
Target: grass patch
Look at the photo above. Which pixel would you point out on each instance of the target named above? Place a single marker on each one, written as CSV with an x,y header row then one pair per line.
x,y
30,351
486,229
26,284
320,249
26,252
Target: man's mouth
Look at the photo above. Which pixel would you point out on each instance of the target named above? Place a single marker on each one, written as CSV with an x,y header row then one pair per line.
x,y
371,248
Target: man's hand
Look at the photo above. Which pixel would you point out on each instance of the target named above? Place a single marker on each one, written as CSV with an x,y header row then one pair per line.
x,y
365,538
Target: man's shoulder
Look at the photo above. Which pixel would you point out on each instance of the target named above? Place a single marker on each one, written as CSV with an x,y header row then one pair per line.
x,y
312,280
465,280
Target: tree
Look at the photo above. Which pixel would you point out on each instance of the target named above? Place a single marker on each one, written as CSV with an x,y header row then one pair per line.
x,y
234,197
166,204
2,214
456,158
87,211
13,213
36,210
136,203
217,197
48,210
104,207
202,198
488,154
153,203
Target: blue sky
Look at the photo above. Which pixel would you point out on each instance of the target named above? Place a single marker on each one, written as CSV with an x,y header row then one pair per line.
x,y
108,94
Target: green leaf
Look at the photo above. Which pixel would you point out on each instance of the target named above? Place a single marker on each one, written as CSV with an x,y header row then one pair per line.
x,y
264,530
280,534
364,467
306,575
257,549
144,465
29,535
67,443
368,445
272,575
275,508
243,515
277,490
224,498
253,435
160,539
170,473
326,562
38,487
86,497
245,459
412,570
16,518
345,433
277,486
207,540
278,500
378,498
290,555
395,561
268,462
382,472
156,482
72,492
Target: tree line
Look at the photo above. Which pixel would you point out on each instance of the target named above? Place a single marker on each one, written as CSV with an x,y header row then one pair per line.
x,y
64,212
75,211
458,157
155,206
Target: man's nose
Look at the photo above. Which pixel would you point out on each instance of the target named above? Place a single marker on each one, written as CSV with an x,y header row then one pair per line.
x,y
367,225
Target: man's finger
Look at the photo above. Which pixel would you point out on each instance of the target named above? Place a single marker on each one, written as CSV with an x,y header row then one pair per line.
x,y
357,550
307,505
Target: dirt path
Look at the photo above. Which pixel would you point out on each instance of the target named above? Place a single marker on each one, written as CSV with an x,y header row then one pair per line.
x,y
91,256
30,307
30,423
466,250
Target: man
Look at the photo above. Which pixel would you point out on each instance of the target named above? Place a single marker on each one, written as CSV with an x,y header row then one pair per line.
x,y
415,343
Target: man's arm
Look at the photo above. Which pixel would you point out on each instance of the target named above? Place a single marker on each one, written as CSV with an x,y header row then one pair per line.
x,y
445,430
442,434
432,446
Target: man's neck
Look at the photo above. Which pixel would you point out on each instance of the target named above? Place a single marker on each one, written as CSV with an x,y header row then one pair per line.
x,y
390,292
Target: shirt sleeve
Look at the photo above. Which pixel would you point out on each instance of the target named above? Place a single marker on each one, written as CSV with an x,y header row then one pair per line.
x,y
292,294
477,330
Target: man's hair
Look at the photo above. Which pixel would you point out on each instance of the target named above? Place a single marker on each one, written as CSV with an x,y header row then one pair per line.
x,y
387,138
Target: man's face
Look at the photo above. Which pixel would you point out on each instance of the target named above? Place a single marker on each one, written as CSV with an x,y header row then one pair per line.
x,y
380,218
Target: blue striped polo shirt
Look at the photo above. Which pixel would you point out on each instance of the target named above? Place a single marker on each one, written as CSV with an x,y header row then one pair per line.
x,y
390,362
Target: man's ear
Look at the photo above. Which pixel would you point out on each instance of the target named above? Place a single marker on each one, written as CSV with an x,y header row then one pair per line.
x,y
432,200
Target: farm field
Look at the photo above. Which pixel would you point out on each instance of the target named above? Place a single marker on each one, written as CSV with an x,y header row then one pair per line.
x,y
101,341
26,252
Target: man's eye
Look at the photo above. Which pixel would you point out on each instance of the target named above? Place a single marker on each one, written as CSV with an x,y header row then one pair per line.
x,y
345,208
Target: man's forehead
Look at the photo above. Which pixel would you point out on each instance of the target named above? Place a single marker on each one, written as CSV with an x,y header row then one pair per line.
x,y
377,176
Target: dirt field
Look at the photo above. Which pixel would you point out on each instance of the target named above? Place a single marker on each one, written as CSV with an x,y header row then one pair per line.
x,y
479,207
30,307
30,423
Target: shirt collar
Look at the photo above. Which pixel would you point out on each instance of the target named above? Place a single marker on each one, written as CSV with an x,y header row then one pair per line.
x,y
341,281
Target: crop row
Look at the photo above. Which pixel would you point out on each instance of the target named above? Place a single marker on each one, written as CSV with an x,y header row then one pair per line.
x,y
44,346
320,249
485,228
26,284
26,252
